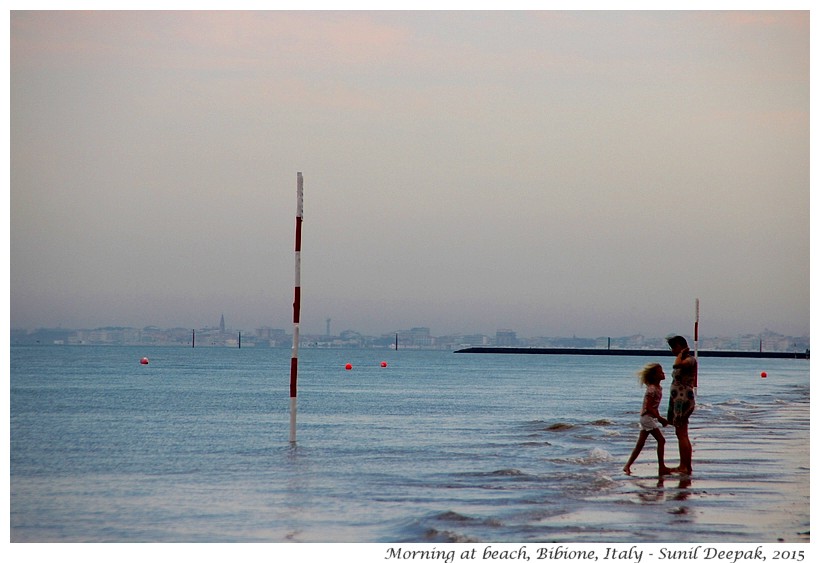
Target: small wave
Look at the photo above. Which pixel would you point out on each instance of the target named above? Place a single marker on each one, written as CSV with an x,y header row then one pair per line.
x,y
603,482
508,473
533,443
433,528
599,454
451,516
559,427
603,422
434,535
589,484
596,455
457,520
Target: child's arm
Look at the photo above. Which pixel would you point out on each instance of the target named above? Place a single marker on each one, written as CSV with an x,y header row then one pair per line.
x,y
653,412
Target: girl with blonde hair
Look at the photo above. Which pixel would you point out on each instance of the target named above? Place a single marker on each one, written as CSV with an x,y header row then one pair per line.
x,y
651,376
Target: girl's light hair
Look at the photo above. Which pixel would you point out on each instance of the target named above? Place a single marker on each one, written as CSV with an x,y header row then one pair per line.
x,y
647,373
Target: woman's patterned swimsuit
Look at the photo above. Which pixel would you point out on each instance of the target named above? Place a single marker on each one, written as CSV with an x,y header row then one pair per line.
x,y
682,394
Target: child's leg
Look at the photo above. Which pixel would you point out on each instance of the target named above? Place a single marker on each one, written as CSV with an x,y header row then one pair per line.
x,y
658,435
636,451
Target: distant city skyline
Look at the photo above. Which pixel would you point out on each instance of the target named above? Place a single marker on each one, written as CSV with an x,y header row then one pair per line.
x,y
418,338
553,172
223,325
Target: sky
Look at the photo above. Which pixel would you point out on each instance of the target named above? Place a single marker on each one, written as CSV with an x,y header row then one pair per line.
x,y
549,172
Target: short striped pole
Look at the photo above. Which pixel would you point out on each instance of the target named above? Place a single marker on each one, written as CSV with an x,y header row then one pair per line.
x,y
294,359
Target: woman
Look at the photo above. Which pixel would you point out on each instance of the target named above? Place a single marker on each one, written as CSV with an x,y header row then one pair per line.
x,y
682,398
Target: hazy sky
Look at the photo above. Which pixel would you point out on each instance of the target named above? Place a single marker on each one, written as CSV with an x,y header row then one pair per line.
x,y
553,173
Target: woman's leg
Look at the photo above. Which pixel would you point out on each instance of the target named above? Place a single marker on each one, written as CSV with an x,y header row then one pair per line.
x,y
685,448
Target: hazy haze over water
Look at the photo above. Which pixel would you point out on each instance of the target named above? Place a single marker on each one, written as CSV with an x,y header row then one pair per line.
x,y
548,172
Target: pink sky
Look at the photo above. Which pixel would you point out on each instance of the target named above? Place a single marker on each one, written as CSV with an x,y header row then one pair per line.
x,y
550,172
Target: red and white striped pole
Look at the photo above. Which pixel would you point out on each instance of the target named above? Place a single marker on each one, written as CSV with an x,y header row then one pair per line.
x,y
697,320
294,359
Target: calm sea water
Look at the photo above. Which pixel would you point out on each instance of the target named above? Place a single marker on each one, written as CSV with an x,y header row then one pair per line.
x,y
436,447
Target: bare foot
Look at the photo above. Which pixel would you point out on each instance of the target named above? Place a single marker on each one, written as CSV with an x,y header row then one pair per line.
x,y
627,470
665,471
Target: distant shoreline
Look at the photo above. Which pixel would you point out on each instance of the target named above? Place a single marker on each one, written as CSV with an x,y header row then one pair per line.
x,y
626,352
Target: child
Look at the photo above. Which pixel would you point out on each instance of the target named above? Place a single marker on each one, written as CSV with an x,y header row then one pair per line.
x,y
651,376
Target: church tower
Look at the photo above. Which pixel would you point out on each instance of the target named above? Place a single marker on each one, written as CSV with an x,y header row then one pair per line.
x,y
222,324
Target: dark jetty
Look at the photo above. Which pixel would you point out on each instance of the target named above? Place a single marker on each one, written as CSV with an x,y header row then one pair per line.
x,y
625,352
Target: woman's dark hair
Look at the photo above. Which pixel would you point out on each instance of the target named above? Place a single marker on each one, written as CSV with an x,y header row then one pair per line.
x,y
677,340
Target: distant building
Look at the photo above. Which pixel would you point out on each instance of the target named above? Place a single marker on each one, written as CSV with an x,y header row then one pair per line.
x,y
749,342
272,336
505,337
418,337
475,340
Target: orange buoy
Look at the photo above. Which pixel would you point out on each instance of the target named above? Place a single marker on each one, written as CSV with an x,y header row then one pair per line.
x,y
144,361
384,364
348,366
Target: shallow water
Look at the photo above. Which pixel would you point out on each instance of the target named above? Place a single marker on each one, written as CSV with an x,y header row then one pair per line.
x,y
436,447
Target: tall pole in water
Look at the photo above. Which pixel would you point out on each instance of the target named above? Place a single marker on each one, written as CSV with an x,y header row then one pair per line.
x,y
294,359
697,320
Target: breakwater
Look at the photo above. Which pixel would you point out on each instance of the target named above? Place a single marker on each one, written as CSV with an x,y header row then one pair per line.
x,y
804,355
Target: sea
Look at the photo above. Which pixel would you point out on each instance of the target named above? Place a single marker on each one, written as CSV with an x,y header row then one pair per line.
x,y
405,448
